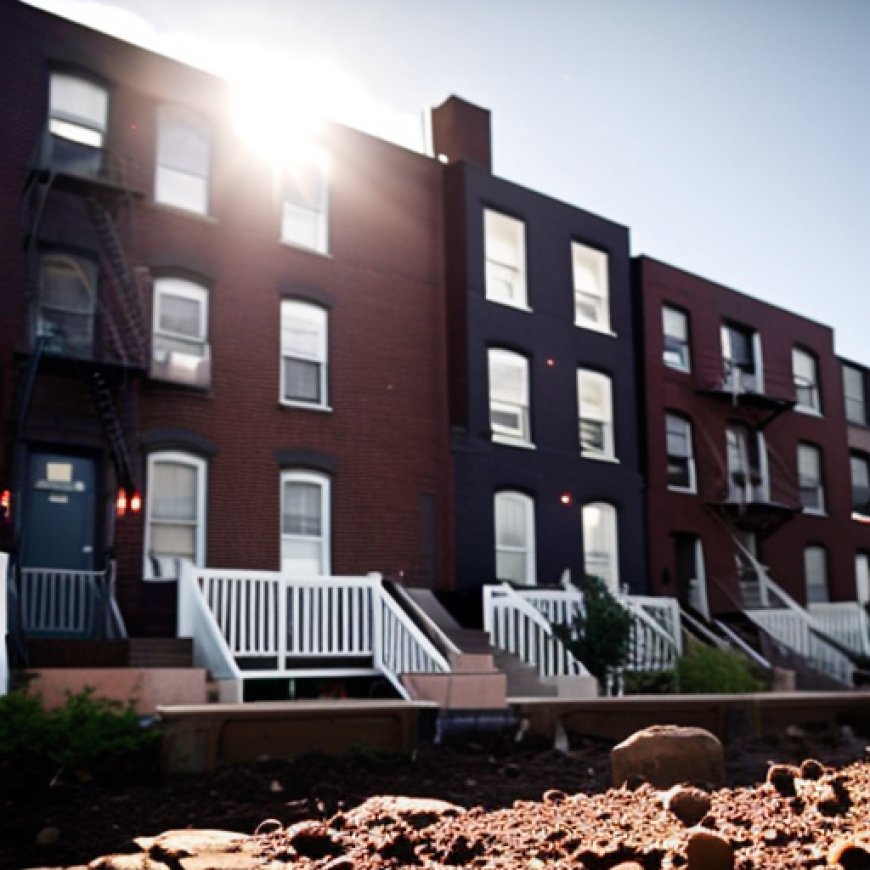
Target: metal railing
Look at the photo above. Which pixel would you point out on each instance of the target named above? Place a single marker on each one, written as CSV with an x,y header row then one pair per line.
x,y
56,602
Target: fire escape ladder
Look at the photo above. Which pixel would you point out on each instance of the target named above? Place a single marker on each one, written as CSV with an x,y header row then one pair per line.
x,y
112,428
125,282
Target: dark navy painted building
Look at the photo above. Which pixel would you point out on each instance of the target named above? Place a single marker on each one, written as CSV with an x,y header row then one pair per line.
x,y
543,412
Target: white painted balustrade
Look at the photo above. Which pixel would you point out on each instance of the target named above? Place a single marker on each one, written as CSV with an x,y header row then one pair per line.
x,y
845,621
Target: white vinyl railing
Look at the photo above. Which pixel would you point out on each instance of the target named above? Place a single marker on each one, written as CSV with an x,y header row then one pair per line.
x,y
517,626
58,602
845,621
4,625
293,626
656,637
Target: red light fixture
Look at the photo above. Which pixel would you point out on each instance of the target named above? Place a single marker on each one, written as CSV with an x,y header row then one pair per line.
x,y
566,498
5,504
550,362
135,502
121,503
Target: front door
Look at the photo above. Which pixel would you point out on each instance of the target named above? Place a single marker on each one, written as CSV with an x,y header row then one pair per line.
x,y
691,576
60,512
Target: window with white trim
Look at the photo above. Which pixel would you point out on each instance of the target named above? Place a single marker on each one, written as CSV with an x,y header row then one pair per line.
x,y
675,329
860,466
746,454
78,110
175,501
856,397
66,304
812,492
508,396
303,354
505,254
681,461
600,543
305,523
595,414
305,203
514,537
741,356
862,578
805,370
180,348
183,158
591,288
816,574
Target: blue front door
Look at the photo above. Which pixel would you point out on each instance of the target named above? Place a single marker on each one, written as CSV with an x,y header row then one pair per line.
x,y
60,514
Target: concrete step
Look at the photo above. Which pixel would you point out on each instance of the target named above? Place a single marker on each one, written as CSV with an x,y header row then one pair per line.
x,y
522,679
160,652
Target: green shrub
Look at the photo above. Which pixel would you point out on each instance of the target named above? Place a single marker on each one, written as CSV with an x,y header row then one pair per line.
x,y
706,669
88,734
650,682
600,635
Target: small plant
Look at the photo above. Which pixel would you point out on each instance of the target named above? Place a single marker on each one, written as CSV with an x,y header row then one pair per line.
x,y
89,735
706,669
650,682
600,635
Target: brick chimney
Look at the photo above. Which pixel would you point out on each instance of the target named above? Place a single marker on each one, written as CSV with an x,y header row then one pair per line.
x,y
461,131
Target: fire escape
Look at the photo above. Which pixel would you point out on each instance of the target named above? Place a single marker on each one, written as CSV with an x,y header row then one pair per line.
x,y
86,314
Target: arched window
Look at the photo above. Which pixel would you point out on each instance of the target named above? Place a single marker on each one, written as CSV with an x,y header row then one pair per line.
x,y
595,412
305,523
183,156
180,347
600,543
805,370
514,537
505,254
304,351
509,396
816,574
681,460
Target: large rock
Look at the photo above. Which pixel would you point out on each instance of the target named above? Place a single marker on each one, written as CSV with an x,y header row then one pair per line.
x,y
667,755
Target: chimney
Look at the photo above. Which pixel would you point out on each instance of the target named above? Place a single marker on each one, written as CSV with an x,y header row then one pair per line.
x,y
461,131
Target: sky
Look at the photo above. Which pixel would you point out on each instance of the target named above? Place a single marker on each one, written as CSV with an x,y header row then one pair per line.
x,y
731,136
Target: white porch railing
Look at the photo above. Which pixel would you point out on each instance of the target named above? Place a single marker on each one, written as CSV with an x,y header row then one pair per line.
x,y
844,621
293,626
656,634
517,626
4,625
59,602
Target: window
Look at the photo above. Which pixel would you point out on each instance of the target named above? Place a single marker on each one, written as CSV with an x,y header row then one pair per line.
x,y
862,578
675,327
856,402
508,396
505,251
816,574
806,381
175,509
591,288
182,162
305,198
514,537
305,523
600,553
741,354
681,463
180,347
860,484
595,405
747,465
66,304
303,354
812,493
78,110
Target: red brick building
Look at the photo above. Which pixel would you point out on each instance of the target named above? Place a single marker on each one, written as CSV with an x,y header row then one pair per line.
x,y
258,354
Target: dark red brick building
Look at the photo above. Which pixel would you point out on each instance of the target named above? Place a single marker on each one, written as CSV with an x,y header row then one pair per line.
x,y
259,355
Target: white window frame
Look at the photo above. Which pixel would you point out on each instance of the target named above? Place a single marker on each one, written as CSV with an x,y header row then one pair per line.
x,y
862,461
178,356
506,405
313,215
750,490
805,371
862,577
64,122
680,360
526,503
811,477
195,199
672,423
735,379
589,381
816,583
318,316
853,390
324,539
590,271
593,564
88,273
166,566
504,243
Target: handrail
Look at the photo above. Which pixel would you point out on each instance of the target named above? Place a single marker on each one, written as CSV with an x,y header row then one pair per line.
x,y
433,630
4,660
845,621
651,647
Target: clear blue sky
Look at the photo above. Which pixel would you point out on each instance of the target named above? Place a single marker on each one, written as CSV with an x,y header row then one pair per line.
x,y
731,136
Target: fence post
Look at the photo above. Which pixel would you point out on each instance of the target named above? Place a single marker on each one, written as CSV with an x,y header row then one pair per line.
x,y
4,592
185,605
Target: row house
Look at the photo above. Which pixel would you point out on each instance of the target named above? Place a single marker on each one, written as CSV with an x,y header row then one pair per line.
x,y
856,391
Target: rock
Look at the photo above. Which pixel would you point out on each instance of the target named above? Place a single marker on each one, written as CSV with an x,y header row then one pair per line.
x,y
850,855
667,755
782,777
812,769
183,843
127,862
417,812
688,804
48,835
313,839
708,851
